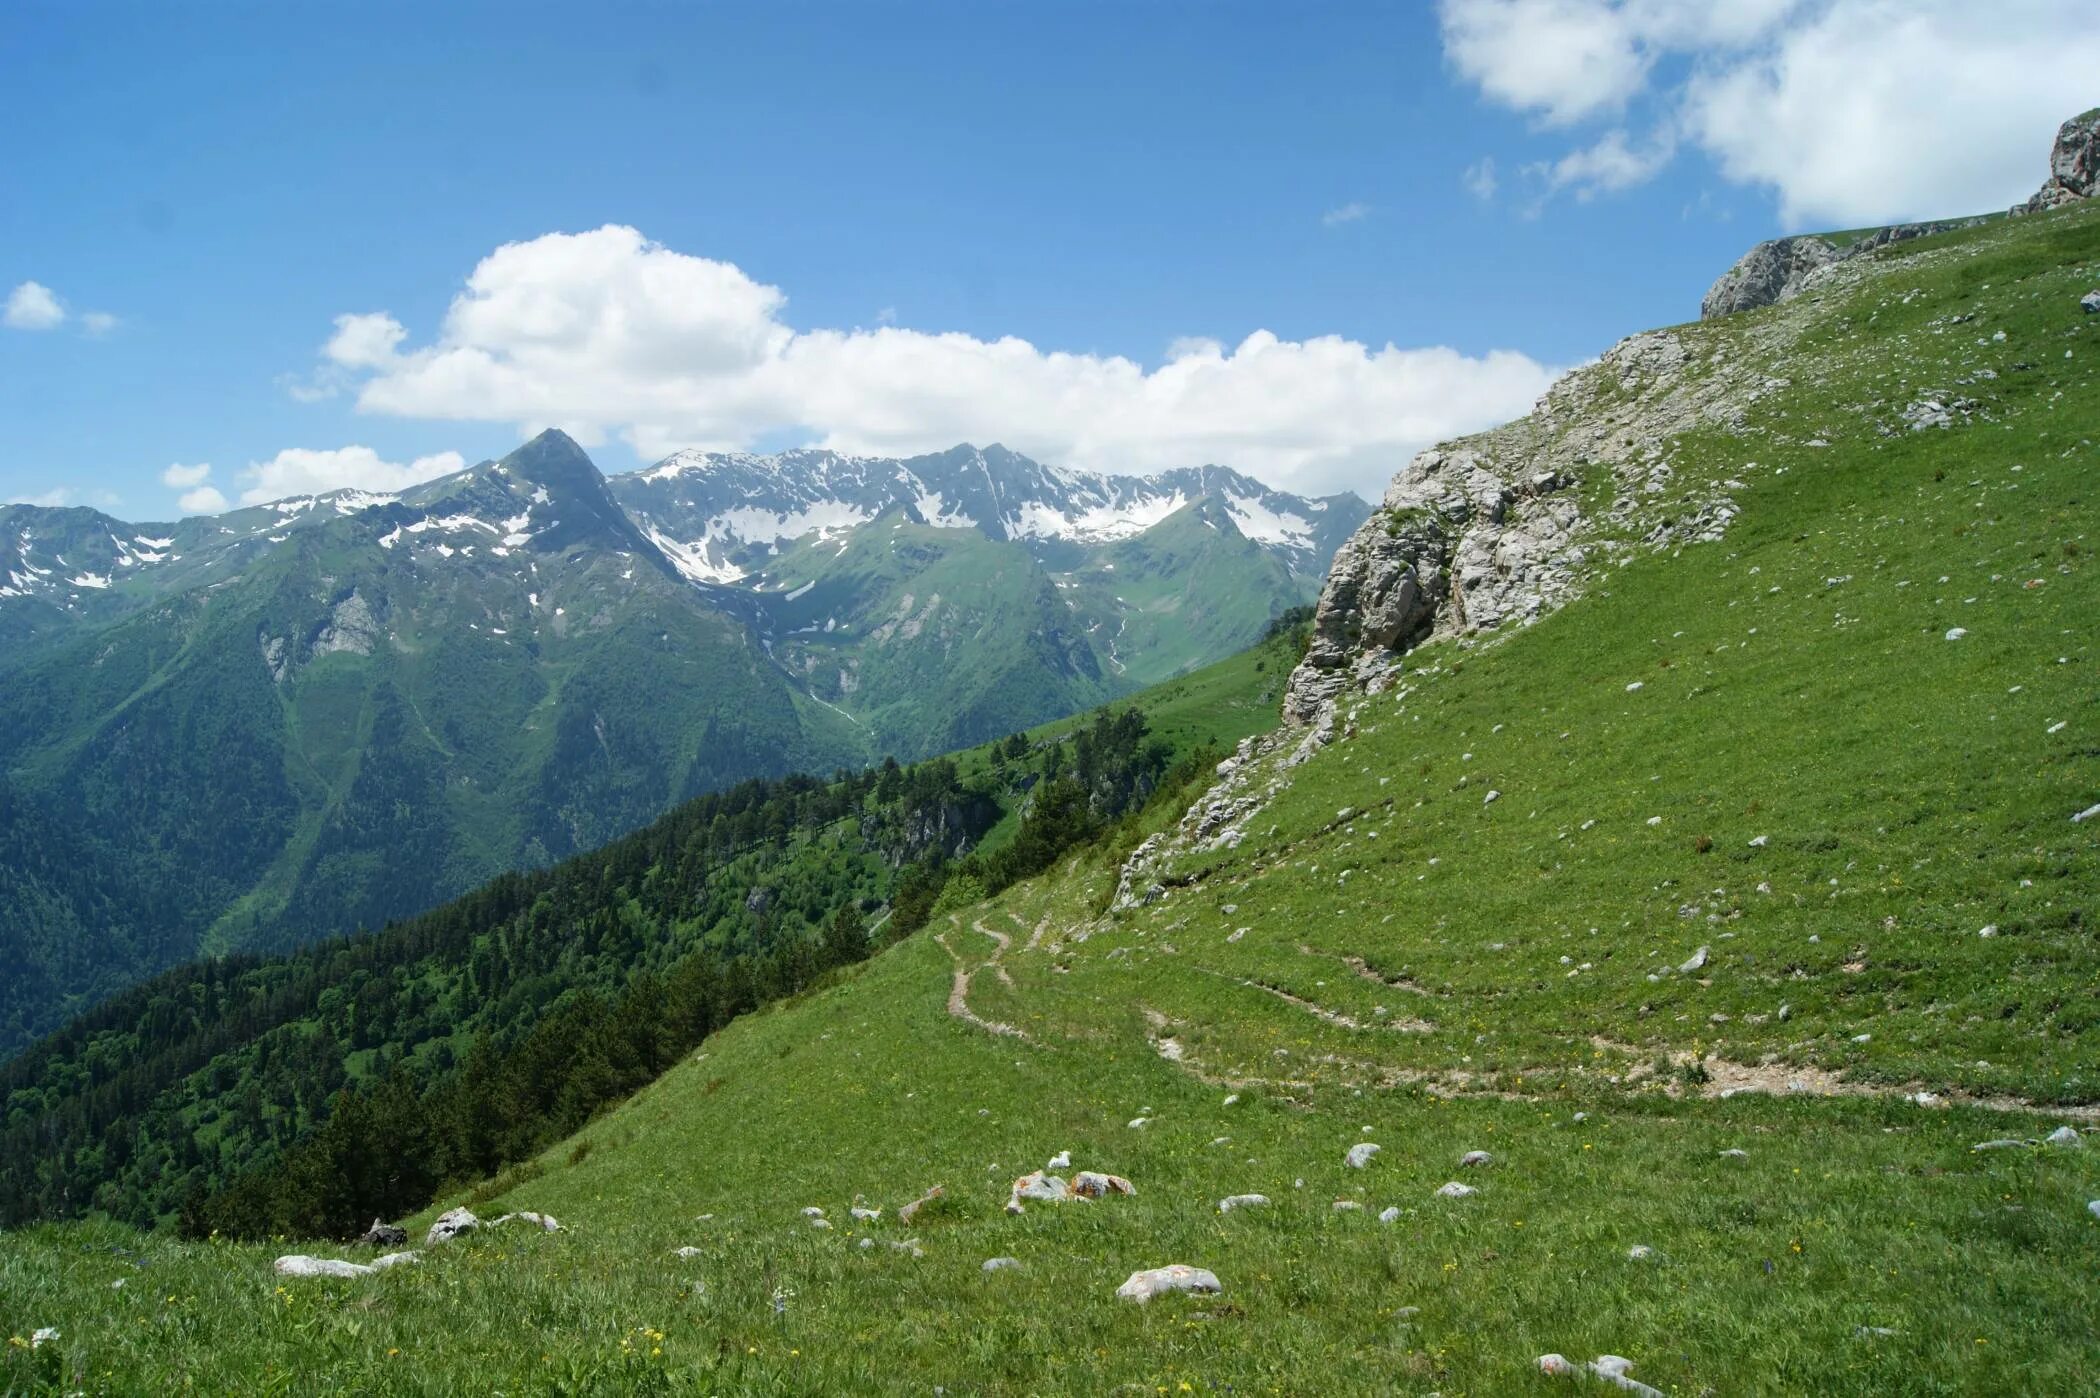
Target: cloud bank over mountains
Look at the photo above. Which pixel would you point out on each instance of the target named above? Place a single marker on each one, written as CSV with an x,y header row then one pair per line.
x,y
607,333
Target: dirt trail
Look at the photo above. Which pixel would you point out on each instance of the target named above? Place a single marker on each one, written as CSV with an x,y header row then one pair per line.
x,y
959,987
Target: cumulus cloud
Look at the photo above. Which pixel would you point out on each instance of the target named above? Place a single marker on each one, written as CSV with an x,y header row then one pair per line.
x,y
33,306
196,497
1481,180
1848,111
1351,212
605,332
1611,164
305,471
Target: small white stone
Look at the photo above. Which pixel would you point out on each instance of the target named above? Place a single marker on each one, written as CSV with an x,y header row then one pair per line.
x,y
43,1337
1639,1252
1455,1190
1634,686
1955,633
2065,1136
1476,1157
1390,1214
1759,841
1360,1155
1002,1264
1241,1201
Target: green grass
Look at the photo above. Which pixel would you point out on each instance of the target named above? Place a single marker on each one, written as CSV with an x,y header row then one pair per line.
x,y
1796,684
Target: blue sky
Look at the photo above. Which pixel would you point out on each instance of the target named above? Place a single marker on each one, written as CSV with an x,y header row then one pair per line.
x,y
840,214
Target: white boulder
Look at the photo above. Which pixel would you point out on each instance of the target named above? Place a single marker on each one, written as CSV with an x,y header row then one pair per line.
x,y
1160,1281
451,1224
300,1265
1360,1155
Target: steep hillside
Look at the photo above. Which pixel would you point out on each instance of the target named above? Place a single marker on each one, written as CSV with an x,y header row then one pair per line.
x,y
1737,907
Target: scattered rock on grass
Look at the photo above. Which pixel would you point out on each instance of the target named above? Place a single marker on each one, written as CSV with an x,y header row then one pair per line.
x,y
1060,1161
1360,1155
1735,1154
300,1265
1390,1214
2002,1143
687,1254
47,1335
1002,1264
384,1235
1092,1184
1241,1201
1476,1157
546,1223
1639,1252
1455,1190
2065,1136
1159,1281
1611,1368
451,1224
1697,961
394,1259
911,1211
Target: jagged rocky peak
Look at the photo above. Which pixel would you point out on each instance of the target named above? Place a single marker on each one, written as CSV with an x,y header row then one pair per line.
x,y
1782,268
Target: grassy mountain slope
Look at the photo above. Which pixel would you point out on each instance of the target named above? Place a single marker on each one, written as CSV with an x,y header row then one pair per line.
x,y
931,639
1831,749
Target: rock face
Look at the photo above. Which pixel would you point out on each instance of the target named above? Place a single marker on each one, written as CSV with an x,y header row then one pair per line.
x,y
1768,273
1783,268
2074,165
1489,530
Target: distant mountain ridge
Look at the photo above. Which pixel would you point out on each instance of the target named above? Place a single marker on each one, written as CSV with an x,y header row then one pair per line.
x,y
721,515
249,730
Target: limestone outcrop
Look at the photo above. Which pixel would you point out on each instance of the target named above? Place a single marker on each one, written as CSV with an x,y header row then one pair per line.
x,y
2074,165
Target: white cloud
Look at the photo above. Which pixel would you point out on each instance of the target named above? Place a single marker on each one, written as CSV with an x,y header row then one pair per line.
x,y
98,322
1876,111
1351,212
304,471
605,332
181,477
1480,179
33,306
1610,164
204,500
364,341
1849,111
49,499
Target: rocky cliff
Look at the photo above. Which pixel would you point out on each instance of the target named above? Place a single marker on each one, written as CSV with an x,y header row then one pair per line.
x,y
1502,527
1781,268
2074,165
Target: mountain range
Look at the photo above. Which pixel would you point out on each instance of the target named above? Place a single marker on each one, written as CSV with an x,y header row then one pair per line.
x,y
249,730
